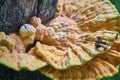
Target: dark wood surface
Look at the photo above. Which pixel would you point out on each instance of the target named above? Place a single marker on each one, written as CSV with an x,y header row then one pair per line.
x,y
14,13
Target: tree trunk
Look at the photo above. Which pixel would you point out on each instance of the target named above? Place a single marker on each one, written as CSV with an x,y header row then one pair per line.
x,y
14,13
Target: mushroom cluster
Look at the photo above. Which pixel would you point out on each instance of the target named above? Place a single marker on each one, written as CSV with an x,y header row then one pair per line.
x,y
81,43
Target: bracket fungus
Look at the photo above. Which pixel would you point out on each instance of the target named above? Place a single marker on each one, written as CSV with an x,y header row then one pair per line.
x,y
27,33
81,43
76,55
17,59
35,21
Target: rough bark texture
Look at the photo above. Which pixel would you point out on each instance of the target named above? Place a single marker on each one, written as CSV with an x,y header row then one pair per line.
x,y
46,9
14,13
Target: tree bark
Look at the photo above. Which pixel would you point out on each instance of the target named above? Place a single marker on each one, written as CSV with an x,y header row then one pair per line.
x,y
14,13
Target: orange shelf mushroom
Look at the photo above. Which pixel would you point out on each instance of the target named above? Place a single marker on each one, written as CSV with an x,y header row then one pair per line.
x,y
81,43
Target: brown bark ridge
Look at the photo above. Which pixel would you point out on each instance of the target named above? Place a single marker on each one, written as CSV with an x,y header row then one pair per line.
x,y
14,13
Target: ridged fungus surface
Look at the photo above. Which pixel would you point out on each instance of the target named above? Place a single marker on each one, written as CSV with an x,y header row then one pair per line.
x,y
81,43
